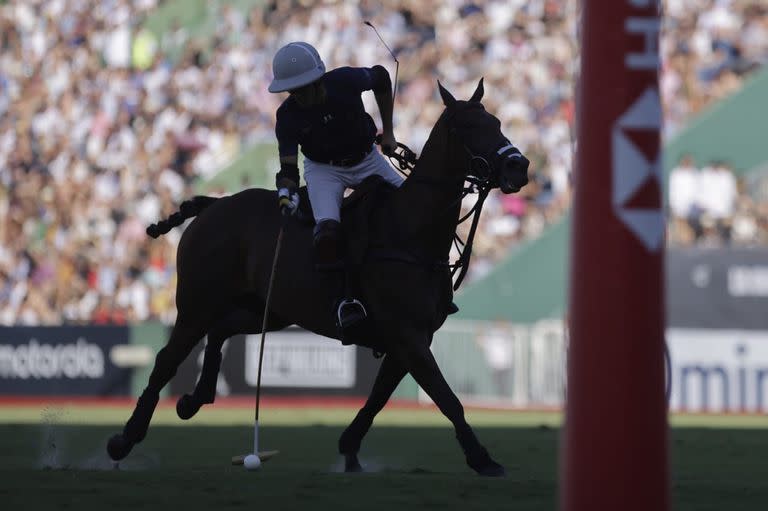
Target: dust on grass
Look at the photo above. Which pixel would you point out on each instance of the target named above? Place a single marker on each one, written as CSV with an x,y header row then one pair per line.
x,y
55,452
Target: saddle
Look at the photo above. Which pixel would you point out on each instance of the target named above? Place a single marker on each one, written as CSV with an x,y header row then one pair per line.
x,y
358,235
356,211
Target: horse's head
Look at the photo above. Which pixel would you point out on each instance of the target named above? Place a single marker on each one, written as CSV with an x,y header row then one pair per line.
x,y
491,156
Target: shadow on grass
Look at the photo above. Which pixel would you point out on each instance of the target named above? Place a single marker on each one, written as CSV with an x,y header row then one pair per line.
x,y
413,467
410,467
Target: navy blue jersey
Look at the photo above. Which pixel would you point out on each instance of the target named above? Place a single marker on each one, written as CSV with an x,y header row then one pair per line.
x,y
336,129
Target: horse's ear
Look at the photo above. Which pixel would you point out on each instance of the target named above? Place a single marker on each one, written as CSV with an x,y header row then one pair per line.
x,y
448,98
478,94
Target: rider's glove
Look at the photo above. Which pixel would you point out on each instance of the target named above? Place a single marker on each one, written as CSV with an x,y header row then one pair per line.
x,y
288,200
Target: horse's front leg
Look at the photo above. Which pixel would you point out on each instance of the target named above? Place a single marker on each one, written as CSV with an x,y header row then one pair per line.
x,y
388,378
413,351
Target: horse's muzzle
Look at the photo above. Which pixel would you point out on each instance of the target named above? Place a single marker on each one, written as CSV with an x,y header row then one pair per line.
x,y
513,175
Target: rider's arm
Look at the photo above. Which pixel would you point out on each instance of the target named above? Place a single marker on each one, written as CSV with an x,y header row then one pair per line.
x,y
288,177
288,146
382,90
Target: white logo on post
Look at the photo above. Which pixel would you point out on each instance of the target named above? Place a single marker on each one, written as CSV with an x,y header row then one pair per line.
x,y
631,169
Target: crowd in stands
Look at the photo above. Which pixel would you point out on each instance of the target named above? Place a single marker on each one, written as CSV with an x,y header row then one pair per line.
x,y
710,206
708,47
106,127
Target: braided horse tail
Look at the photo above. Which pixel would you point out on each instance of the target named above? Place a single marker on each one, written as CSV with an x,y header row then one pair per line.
x,y
188,209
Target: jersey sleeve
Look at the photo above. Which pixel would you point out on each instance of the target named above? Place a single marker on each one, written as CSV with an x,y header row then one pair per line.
x,y
360,79
287,135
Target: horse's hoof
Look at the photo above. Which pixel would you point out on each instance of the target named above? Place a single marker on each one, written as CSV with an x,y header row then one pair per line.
x,y
352,464
118,447
187,406
493,469
482,463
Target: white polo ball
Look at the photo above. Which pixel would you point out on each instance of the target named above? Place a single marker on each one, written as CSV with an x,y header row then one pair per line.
x,y
252,462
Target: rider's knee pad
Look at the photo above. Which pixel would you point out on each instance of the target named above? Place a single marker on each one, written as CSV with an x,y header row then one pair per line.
x,y
327,244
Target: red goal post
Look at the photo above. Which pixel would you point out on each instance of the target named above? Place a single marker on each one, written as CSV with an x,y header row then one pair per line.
x,y
614,449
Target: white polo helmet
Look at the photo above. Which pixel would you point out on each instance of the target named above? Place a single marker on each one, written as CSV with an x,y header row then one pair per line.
x,y
295,65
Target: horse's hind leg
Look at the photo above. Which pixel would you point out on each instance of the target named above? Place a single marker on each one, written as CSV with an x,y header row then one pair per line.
x,y
205,390
238,321
420,362
388,378
186,333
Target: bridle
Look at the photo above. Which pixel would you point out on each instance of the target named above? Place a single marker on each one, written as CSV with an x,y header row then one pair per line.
x,y
479,178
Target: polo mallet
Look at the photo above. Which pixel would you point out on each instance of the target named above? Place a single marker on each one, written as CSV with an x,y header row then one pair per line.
x,y
397,62
397,160
264,455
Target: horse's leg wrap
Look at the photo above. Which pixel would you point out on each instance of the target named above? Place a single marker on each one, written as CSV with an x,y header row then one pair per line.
x,y
136,428
352,437
205,390
423,367
239,320
390,374
166,362
469,442
477,456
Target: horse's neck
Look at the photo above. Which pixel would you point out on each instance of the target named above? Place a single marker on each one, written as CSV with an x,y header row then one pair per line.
x,y
431,202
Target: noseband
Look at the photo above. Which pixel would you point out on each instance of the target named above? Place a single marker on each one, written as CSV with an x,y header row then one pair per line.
x,y
481,180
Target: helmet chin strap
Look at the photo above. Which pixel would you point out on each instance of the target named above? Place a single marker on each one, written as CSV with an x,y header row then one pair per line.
x,y
311,94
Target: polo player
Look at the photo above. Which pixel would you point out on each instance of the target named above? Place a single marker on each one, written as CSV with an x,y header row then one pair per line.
x,y
325,116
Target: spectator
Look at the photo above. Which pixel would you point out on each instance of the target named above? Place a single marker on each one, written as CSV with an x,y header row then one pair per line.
x,y
712,206
496,343
684,197
717,196
104,127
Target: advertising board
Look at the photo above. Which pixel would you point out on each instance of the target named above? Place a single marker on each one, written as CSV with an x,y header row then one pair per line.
x,y
296,362
63,361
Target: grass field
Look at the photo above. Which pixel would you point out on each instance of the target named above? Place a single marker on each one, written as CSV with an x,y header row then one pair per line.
x,y
717,462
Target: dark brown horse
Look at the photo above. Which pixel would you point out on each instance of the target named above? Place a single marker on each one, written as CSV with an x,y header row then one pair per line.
x,y
224,262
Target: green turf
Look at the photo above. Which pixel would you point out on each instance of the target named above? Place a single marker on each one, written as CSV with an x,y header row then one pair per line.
x,y
217,416
418,464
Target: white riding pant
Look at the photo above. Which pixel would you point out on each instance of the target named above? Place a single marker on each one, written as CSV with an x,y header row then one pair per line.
x,y
326,183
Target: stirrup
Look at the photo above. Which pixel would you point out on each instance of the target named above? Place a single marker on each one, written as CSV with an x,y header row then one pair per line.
x,y
350,312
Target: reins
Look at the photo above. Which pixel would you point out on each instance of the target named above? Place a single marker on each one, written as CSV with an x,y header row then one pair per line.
x,y
404,159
